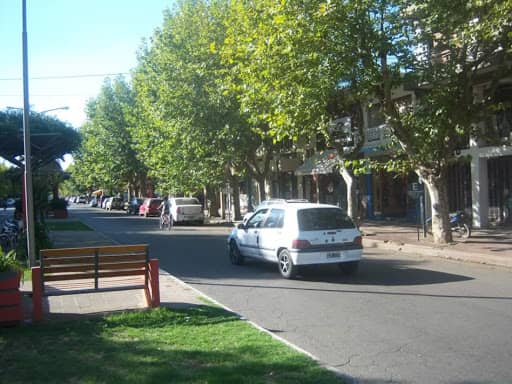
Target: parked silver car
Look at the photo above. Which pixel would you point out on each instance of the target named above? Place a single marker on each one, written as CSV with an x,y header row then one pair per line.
x,y
114,203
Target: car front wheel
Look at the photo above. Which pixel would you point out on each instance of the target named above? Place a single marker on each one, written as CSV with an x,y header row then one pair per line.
x,y
235,256
286,267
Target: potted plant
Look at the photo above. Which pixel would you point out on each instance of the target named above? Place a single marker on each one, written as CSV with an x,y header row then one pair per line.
x,y
10,295
59,208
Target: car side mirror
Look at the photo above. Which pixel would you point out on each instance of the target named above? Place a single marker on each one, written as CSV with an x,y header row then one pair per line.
x,y
241,226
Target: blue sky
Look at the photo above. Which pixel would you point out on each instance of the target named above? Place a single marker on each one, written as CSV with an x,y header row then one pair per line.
x,y
68,38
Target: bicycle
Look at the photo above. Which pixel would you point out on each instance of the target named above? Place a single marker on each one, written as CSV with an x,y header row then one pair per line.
x,y
8,241
166,221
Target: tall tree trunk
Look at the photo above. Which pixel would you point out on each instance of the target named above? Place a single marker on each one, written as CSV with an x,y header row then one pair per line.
x,y
235,193
55,191
438,191
352,203
261,187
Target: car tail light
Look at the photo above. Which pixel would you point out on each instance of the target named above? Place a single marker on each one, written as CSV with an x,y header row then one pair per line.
x,y
358,240
178,210
300,244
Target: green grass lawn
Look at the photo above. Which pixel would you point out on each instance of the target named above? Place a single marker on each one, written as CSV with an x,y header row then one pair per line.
x,y
201,345
67,226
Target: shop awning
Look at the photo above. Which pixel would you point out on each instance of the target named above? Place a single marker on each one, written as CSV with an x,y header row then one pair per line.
x,y
319,164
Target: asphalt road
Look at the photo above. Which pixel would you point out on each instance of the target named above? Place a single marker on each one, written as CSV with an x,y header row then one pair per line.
x,y
401,319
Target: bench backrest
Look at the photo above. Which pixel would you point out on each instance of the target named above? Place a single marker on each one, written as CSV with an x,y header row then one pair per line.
x,y
94,262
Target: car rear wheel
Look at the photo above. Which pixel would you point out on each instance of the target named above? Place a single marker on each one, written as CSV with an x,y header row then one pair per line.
x,y
286,267
349,267
235,256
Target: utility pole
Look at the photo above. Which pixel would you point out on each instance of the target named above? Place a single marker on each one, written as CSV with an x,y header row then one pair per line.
x,y
29,197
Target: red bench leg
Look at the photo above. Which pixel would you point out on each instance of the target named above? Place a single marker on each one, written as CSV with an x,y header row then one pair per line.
x,y
153,291
37,299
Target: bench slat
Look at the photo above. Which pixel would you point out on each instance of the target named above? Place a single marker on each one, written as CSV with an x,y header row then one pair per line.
x,y
46,253
105,250
68,260
122,248
66,269
92,267
119,258
135,272
77,276
90,259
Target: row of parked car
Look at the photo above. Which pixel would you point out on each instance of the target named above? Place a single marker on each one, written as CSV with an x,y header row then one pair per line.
x,y
183,209
107,202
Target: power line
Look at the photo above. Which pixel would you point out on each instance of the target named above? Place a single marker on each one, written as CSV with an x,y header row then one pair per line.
x,y
44,94
66,76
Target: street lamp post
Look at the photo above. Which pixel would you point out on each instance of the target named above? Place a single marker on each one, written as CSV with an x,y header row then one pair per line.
x,y
29,198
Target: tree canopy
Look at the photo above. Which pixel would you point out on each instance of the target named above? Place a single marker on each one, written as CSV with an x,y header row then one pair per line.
x,y
50,138
107,157
224,85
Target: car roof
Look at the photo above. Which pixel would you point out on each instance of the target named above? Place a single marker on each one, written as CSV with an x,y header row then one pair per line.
x,y
274,201
299,205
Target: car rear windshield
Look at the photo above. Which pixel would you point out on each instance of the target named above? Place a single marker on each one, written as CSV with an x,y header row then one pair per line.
x,y
187,201
319,219
155,203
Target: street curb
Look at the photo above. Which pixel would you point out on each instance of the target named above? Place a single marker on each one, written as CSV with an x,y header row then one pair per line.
x,y
441,252
341,375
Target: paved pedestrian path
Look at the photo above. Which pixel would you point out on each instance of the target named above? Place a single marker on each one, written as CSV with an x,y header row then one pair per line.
x,y
173,292
491,246
487,246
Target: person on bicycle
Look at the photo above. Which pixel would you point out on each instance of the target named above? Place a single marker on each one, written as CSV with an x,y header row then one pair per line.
x,y
165,210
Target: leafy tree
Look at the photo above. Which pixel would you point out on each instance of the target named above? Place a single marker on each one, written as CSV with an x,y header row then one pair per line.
x,y
51,138
291,57
290,63
191,123
10,181
107,157
444,48
70,186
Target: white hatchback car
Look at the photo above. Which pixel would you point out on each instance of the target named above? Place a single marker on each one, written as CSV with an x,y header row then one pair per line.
x,y
298,234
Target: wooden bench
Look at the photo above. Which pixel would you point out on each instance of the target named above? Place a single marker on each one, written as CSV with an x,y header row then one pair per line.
x,y
67,271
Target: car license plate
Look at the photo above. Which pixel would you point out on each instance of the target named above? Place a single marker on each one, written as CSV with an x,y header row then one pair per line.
x,y
333,255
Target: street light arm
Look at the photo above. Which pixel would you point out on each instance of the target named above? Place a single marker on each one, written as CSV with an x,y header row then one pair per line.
x,y
65,108
55,109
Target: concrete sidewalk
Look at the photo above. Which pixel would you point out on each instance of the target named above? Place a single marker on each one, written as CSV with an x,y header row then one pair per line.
x,y
493,246
486,246
173,292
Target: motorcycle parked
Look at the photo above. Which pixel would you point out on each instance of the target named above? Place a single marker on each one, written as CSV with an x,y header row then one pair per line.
x,y
459,224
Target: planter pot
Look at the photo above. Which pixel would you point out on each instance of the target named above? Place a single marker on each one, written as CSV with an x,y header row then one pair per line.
x,y
11,311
